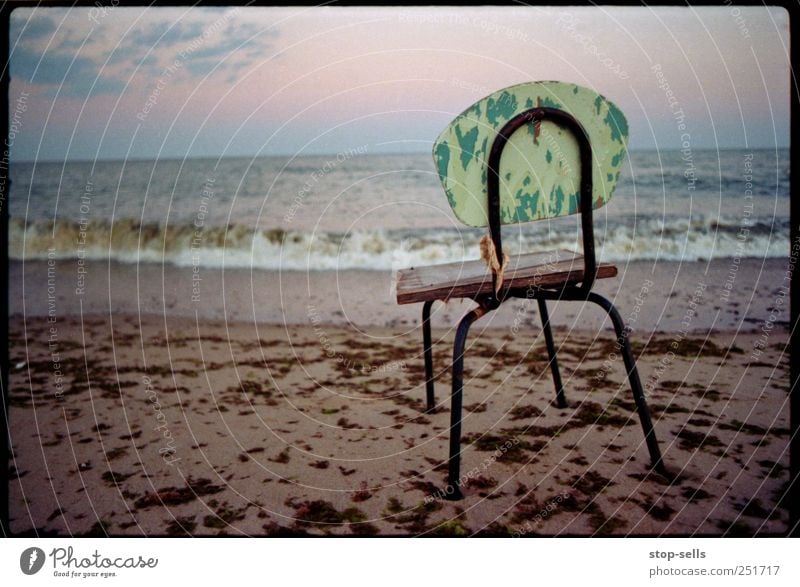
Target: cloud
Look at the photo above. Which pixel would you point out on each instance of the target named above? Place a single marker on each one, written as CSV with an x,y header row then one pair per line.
x,y
201,67
212,50
45,54
164,34
48,68
205,47
62,73
227,51
103,85
76,59
33,28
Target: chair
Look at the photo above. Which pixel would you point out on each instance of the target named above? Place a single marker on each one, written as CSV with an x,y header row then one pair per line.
x,y
529,152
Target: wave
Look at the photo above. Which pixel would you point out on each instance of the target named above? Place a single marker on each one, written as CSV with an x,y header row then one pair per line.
x,y
239,245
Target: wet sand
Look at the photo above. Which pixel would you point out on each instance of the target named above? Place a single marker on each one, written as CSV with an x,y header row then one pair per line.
x,y
735,295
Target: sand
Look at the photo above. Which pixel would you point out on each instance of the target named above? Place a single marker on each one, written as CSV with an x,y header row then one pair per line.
x,y
194,425
651,295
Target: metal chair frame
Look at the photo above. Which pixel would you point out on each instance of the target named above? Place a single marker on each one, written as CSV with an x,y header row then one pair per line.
x,y
569,292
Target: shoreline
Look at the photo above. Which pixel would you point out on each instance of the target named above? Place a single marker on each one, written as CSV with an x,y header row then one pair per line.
x,y
650,297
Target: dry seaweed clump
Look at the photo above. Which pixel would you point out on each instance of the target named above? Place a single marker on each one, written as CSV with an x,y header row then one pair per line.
x,y
326,517
179,495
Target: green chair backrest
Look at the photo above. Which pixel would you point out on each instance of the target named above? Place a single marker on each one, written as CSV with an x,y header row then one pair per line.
x,y
539,171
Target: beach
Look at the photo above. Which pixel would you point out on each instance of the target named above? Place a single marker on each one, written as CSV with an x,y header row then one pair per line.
x,y
214,346
261,409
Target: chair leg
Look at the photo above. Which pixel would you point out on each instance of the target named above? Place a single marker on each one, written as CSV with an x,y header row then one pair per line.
x,y
426,340
453,491
633,377
561,400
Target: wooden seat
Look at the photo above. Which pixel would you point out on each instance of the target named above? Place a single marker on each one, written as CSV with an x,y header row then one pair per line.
x,y
472,279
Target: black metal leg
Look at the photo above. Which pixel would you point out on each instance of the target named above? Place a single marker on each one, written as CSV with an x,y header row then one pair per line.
x,y
426,340
453,491
633,377
561,400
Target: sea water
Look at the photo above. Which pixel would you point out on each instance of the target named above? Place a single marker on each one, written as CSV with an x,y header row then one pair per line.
x,y
358,210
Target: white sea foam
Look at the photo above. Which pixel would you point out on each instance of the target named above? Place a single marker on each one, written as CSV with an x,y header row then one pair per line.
x,y
241,246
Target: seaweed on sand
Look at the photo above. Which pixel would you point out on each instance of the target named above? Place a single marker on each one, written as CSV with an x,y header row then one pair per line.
x,y
179,495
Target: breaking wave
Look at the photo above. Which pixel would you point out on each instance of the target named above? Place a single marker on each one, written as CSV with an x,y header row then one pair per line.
x,y
239,245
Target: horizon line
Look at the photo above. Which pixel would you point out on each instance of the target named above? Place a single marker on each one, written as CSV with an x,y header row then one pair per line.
x,y
13,161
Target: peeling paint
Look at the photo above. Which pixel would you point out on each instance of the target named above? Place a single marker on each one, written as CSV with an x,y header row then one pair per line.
x,y
617,123
550,161
501,109
467,143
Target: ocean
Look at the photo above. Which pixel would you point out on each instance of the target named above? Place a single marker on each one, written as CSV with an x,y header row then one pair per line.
x,y
358,210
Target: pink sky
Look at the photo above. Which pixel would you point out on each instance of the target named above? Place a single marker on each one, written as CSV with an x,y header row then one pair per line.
x,y
283,80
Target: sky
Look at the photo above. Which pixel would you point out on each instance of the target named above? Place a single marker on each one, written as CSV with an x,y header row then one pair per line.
x,y
152,82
